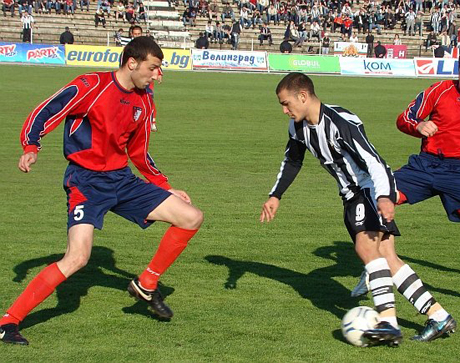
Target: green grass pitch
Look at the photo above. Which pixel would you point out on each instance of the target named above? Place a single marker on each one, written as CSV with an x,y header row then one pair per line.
x,y
241,291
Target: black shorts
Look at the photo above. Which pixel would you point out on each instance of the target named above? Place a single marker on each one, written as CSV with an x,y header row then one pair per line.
x,y
361,214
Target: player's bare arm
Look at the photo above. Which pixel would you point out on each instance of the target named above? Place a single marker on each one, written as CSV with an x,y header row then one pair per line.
x,y
181,194
427,128
269,209
386,208
26,160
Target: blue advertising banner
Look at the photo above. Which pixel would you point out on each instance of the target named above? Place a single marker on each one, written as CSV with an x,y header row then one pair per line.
x,y
377,67
32,53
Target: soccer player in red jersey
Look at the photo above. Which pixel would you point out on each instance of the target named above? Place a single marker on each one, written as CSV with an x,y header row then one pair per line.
x,y
436,170
108,118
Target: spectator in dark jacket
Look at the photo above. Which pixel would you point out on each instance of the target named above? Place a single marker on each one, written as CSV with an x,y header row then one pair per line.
x,y
439,51
370,44
202,42
66,37
380,51
285,47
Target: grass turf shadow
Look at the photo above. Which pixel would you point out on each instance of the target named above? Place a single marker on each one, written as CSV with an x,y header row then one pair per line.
x,y
70,292
319,286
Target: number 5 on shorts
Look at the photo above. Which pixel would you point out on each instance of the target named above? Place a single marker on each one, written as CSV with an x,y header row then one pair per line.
x,y
78,213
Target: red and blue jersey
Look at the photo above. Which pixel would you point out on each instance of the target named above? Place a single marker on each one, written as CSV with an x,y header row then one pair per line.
x,y
441,103
104,125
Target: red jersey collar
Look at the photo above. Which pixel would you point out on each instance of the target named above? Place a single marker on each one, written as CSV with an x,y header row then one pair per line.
x,y
119,86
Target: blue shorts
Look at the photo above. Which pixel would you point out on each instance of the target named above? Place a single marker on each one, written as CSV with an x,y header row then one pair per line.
x,y
91,194
427,175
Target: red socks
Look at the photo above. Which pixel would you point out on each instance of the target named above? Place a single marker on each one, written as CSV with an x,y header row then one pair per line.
x,y
37,291
402,198
171,246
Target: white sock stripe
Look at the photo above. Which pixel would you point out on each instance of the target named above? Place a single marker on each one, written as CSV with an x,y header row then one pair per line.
x,y
377,265
412,288
439,315
402,274
381,282
422,300
382,290
384,299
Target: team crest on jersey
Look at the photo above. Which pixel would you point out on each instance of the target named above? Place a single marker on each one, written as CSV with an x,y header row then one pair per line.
x,y
137,112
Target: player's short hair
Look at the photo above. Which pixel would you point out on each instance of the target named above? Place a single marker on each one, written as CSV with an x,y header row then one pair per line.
x,y
296,82
140,48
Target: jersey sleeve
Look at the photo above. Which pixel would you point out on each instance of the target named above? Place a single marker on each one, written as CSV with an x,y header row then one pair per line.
x,y
355,141
71,98
290,166
138,153
418,110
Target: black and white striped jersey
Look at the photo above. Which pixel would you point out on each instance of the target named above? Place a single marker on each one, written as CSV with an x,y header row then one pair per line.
x,y
341,145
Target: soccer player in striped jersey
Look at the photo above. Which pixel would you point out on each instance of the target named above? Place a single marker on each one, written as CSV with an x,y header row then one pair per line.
x,y
108,119
434,172
366,184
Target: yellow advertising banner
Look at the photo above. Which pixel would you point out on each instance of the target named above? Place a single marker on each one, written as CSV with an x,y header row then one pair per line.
x,y
100,56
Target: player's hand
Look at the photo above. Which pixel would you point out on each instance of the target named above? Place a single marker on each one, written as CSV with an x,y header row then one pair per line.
x,y
26,160
269,209
427,128
181,194
386,208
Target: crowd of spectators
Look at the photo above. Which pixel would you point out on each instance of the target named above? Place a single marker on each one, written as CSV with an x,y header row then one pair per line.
x,y
310,20
130,11
127,11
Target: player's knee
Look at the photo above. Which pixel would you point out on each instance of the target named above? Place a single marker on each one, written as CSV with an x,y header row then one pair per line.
x,y
75,262
80,261
197,218
193,219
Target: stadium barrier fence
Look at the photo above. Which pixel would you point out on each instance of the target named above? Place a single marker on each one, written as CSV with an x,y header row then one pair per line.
x,y
206,59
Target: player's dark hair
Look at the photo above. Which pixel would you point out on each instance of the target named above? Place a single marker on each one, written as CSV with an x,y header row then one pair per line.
x,y
296,82
140,48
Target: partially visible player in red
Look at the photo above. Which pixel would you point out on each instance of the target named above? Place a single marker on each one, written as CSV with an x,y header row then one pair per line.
x,y
434,117
108,118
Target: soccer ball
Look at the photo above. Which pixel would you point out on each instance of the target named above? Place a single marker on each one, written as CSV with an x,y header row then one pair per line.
x,y
356,321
